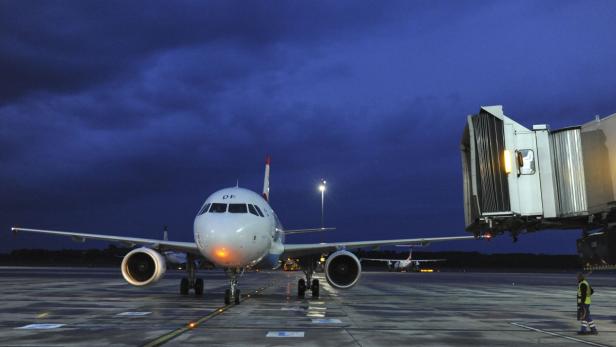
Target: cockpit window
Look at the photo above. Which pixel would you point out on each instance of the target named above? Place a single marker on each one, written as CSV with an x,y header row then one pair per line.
x,y
253,210
238,208
259,211
218,208
203,209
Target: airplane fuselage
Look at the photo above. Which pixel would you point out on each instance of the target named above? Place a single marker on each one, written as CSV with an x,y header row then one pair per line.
x,y
237,228
404,265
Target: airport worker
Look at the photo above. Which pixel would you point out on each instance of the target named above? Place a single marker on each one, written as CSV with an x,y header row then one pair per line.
x,y
584,293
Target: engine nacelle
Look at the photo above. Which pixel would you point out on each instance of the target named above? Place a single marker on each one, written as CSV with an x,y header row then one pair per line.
x,y
143,266
342,269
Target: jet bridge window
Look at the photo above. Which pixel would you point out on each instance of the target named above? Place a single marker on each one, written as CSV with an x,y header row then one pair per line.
x,y
253,210
203,209
526,161
218,208
238,208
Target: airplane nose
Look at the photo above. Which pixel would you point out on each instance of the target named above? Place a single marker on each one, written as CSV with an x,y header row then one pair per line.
x,y
228,241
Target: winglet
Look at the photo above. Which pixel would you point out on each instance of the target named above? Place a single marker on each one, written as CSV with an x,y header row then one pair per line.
x,y
266,187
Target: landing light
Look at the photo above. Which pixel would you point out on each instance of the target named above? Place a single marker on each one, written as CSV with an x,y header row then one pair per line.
x,y
221,253
507,157
192,325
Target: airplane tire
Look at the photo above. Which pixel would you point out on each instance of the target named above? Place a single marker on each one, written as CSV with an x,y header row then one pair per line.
x,y
301,288
315,288
184,286
227,296
199,286
237,297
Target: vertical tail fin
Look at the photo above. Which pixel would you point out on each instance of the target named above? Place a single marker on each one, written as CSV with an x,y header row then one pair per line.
x,y
266,185
410,254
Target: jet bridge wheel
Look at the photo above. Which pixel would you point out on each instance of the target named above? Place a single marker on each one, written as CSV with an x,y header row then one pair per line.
x,y
199,286
315,288
301,288
184,286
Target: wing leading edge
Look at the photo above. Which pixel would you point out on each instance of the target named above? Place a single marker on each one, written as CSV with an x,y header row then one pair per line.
x,y
296,250
163,245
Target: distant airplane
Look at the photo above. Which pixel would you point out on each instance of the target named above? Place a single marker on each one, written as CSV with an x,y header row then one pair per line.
x,y
236,229
408,264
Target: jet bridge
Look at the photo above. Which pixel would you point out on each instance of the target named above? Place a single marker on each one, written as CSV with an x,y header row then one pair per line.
x,y
520,180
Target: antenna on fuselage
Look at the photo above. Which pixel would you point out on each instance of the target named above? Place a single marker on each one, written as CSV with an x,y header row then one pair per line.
x,y
165,234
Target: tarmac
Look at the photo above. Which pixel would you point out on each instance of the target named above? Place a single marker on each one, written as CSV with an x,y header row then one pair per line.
x,y
96,307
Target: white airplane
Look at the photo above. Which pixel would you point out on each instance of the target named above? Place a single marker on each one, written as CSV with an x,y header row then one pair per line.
x,y
408,264
237,229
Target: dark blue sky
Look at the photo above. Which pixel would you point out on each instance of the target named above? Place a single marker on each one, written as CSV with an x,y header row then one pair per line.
x,y
119,117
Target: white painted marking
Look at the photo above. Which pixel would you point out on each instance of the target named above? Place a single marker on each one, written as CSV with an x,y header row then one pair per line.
x,y
41,326
326,321
316,308
292,309
558,335
133,314
316,314
285,334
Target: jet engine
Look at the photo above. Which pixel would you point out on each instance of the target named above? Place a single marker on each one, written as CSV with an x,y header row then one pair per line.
x,y
143,266
342,269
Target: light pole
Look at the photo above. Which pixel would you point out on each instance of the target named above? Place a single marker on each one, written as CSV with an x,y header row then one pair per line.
x,y
322,188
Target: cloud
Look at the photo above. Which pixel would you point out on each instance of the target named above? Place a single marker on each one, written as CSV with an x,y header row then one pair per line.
x,y
130,113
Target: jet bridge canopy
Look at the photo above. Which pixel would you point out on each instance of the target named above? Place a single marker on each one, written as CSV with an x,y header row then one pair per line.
x,y
518,179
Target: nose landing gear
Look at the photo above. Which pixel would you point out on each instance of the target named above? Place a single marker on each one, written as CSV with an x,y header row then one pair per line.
x,y
191,282
233,293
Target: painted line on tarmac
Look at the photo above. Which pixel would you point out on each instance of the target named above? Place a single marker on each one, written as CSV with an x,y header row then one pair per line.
x,y
161,340
41,326
558,335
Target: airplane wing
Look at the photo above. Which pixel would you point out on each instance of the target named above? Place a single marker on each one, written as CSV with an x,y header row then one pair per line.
x,y
372,259
303,231
414,260
296,250
162,245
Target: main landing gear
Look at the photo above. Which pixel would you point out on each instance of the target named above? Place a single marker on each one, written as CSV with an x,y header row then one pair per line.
x,y
233,293
309,283
191,282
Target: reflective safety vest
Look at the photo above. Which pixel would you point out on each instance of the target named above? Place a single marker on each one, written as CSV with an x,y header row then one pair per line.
x,y
588,293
